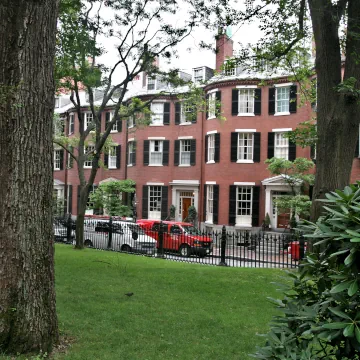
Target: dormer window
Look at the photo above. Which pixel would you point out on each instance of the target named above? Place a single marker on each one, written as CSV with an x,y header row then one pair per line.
x,y
198,75
229,68
151,83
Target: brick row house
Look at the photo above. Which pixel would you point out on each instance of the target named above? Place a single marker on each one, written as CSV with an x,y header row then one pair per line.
x,y
215,165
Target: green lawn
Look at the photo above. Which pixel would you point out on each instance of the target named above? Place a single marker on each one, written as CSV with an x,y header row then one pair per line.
x,y
178,311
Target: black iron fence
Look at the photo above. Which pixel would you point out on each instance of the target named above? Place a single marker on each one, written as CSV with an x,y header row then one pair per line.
x,y
224,248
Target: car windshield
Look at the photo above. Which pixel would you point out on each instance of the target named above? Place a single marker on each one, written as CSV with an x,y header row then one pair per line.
x,y
136,228
191,230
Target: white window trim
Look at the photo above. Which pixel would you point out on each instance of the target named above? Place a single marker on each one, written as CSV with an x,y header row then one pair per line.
x,y
210,162
156,125
246,87
147,83
210,182
210,117
184,165
157,138
155,184
283,85
282,130
284,113
86,166
249,217
162,152
211,132
245,130
86,121
185,124
242,183
245,114
185,137
115,124
245,161
71,116
109,155
56,168
212,91
128,152
131,139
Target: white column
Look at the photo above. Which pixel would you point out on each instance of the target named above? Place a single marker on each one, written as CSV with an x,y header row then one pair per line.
x,y
268,208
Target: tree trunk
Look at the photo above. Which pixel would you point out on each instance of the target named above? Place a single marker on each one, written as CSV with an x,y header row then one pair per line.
x,y
28,319
337,112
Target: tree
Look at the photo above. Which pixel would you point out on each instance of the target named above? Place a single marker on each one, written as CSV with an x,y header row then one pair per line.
x,y
142,35
288,26
109,197
28,319
296,175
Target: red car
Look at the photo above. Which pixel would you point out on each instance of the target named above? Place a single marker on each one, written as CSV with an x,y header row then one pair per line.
x,y
179,237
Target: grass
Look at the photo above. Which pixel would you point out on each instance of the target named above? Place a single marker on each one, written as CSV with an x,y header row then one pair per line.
x,y
178,310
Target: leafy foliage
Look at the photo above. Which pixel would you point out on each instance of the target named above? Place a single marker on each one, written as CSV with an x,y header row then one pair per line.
x,y
109,197
304,135
321,310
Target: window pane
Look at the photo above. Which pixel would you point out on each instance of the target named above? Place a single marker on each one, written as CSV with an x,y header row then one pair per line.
x,y
282,99
245,146
211,147
281,146
244,200
185,152
156,152
246,101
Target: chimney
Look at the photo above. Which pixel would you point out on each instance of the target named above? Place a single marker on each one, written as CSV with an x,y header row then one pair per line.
x,y
224,48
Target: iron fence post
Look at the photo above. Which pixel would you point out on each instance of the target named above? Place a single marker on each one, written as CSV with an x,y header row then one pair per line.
x,y
110,233
160,252
301,247
68,228
223,247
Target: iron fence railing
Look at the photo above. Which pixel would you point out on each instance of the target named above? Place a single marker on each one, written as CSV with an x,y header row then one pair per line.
x,y
226,248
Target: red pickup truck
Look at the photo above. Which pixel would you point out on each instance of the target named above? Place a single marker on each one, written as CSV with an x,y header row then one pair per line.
x,y
179,237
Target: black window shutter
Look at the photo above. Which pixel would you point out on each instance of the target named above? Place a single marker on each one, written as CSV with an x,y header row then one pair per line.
x,y
311,191
166,116
69,203
271,145
234,146
127,154
292,151
218,104
357,148
232,205
106,159
146,152
119,124
257,102
71,161
217,147
235,102
164,202
118,156
257,137
255,206
177,113
216,204
192,152
166,145
206,147
134,154
207,106
61,159
107,119
205,195
177,152
293,99
145,202
271,101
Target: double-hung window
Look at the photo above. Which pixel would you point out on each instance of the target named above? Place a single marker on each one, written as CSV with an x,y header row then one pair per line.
x,y
71,123
156,152
57,159
211,148
115,126
186,110
244,199
246,101
281,149
151,83
198,75
229,69
112,158
245,147
212,105
155,202
88,120
283,100
131,153
209,203
131,121
185,151
158,113
88,162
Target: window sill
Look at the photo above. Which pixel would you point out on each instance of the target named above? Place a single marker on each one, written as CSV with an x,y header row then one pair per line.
x,y
210,162
87,167
156,125
282,114
246,114
211,118
130,127
129,165
208,223
70,133
185,123
155,165
184,165
112,168
113,131
245,161
57,169
242,226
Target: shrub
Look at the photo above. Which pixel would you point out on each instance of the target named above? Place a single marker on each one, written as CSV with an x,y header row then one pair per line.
x,y
321,309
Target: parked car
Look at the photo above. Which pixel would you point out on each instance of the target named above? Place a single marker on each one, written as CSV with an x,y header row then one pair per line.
x,y
60,232
179,237
128,237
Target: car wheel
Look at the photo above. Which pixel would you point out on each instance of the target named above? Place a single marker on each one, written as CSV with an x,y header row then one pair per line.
x,y
126,248
88,243
184,250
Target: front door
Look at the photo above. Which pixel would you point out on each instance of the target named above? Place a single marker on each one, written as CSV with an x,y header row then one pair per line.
x,y
186,202
283,220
